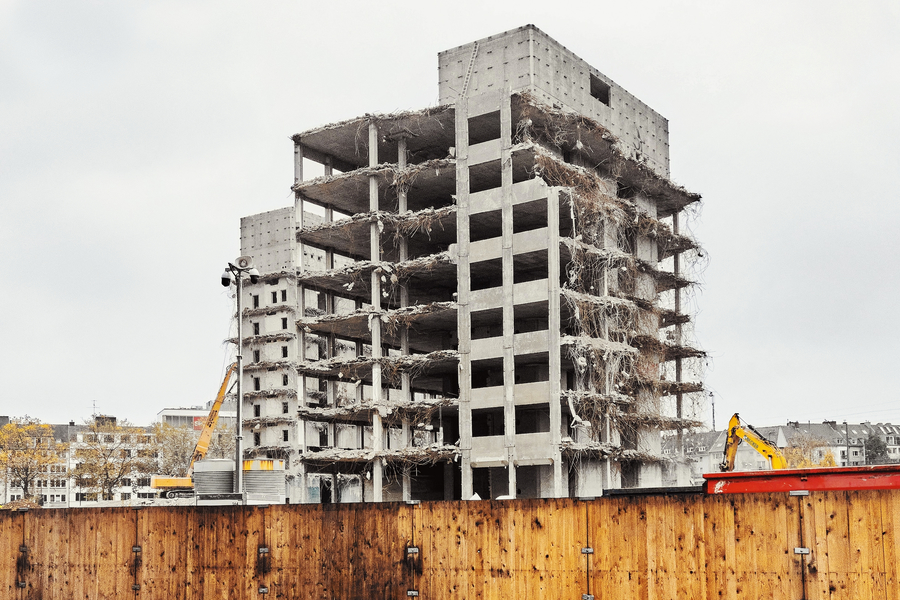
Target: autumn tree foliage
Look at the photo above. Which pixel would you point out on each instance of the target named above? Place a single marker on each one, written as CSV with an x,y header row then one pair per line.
x,y
27,449
806,450
113,454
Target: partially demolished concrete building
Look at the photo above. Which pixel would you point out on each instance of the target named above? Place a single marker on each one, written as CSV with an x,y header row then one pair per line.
x,y
487,296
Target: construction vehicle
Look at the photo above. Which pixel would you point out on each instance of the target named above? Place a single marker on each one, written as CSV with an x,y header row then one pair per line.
x,y
739,431
183,487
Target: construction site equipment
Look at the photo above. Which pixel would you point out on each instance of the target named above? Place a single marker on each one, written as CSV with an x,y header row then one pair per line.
x,y
739,431
173,487
874,477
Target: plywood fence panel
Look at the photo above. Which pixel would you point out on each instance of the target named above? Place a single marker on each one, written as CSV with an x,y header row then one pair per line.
x,y
644,547
867,574
890,520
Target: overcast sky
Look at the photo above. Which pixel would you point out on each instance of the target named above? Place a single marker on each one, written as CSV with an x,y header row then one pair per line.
x,y
134,135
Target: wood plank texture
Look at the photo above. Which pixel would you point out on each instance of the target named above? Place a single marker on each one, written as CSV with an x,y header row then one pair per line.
x,y
644,547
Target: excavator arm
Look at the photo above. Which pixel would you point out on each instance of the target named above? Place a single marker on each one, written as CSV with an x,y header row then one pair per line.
x,y
173,487
738,432
203,443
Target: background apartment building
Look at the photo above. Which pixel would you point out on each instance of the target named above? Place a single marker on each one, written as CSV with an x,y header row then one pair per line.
x,y
487,296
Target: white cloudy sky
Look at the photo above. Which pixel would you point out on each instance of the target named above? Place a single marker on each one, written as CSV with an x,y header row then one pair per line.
x,y
134,135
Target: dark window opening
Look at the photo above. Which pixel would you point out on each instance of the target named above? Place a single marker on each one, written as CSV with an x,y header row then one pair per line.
x,y
487,324
599,89
530,266
284,379
256,329
533,419
486,274
487,373
257,409
256,301
487,422
485,176
325,488
256,439
530,215
274,297
256,386
284,407
256,356
284,352
485,226
532,368
284,435
484,128
284,322
284,295
530,317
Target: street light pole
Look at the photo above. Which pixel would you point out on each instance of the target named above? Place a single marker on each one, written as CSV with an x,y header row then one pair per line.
x,y
235,272
238,442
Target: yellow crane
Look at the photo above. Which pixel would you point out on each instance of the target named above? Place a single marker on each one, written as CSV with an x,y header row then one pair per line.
x,y
172,487
739,431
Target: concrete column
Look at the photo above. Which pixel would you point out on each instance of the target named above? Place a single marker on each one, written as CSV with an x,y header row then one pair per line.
x,y
509,351
404,442
405,383
375,256
554,328
463,320
679,397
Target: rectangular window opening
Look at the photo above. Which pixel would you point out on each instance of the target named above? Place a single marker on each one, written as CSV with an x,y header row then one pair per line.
x,y
484,128
599,89
487,422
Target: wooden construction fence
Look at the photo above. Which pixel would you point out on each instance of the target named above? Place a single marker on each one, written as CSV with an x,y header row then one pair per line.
x,y
639,547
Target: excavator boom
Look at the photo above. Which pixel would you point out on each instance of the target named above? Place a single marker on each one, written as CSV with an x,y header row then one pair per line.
x,y
203,443
738,432
183,486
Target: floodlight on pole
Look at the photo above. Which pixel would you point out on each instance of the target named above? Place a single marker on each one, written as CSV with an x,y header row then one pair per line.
x,y
234,273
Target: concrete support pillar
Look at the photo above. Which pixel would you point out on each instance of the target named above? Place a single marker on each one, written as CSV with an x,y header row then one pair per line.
x,y
679,397
405,383
405,441
554,330
298,162
463,293
509,335
375,252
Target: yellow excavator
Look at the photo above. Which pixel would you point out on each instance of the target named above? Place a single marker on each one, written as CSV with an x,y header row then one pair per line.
x,y
739,431
174,487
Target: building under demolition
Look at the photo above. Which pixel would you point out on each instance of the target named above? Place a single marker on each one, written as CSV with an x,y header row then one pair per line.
x,y
488,296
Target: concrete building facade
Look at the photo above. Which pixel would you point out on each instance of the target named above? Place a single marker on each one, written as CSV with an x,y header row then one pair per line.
x,y
484,297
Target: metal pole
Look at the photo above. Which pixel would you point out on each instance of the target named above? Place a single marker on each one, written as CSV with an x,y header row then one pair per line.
x,y
239,462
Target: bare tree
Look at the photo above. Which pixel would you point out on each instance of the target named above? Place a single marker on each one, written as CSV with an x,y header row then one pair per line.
x,y
110,454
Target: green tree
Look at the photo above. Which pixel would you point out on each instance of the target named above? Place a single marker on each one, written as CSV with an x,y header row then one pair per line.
x,y
27,449
876,451
111,453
